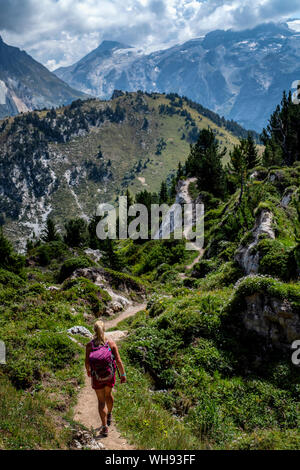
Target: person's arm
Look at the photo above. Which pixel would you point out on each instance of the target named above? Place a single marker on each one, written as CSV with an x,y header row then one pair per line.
x,y
118,359
87,362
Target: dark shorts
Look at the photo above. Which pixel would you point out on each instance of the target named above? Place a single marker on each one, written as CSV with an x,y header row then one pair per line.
x,y
99,385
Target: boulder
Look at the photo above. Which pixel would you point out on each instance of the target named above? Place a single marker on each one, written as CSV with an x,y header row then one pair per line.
x,y
80,330
273,319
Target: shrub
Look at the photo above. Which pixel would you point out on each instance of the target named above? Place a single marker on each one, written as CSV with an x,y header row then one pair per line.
x,y
71,264
22,372
276,260
82,288
10,279
203,268
55,349
49,251
166,251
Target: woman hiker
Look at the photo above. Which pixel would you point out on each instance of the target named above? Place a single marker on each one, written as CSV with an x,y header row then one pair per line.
x,y
102,357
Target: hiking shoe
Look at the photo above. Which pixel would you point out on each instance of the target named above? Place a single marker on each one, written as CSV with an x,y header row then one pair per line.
x,y
104,431
109,419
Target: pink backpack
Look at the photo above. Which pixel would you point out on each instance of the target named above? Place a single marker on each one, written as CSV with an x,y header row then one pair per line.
x,y
102,362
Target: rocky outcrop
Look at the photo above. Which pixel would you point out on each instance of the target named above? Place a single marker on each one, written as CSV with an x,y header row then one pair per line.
x,y
84,440
247,257
273,319
105,279
265,309
287,197
80,330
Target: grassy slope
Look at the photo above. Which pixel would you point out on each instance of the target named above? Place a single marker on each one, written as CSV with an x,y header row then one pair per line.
x,y
125,144
201,374
196,392
44,369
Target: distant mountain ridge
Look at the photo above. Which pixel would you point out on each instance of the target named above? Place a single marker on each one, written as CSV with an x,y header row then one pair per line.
x,y
25,84
238,74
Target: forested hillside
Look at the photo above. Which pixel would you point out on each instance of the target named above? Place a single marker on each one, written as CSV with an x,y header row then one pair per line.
x,y
66,161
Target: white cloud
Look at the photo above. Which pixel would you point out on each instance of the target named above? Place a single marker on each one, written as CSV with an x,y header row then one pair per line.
x,y
59,32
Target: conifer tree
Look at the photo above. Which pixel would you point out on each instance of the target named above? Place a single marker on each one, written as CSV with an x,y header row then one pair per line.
x,y
252,153
282,135
50,233
239,165
163,193
111,255
205,163
76,233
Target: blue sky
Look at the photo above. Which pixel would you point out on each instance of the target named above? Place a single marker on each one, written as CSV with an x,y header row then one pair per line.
x,y
59,32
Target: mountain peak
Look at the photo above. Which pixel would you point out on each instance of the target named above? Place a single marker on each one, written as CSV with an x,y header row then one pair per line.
x,y
109,45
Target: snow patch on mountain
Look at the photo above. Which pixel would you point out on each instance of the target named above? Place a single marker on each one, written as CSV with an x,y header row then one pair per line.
x,y
3,92
226,71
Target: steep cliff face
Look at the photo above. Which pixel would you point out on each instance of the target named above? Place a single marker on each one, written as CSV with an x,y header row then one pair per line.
x,y
267,307
25,84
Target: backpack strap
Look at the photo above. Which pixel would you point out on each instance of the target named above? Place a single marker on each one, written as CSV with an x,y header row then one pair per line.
x,y
112,356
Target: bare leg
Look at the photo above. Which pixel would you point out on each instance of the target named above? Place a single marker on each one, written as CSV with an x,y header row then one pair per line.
x,y
101,405
109,399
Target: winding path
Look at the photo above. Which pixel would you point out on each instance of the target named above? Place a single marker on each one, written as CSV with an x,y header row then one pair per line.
x,y
86,410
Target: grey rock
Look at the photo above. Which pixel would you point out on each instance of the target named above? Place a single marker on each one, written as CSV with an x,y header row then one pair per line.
x,y
273,319
80,330
287,197
85,440
246,256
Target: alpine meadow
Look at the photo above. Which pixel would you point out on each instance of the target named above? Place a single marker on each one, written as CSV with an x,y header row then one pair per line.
x,y
205,343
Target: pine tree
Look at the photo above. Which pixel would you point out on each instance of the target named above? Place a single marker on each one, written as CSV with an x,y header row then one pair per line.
x,y
163,193
76,233
239,165
130,198
111,255
179,172
252,153
50,233
283,132
8,258
94,242
205,163
272,155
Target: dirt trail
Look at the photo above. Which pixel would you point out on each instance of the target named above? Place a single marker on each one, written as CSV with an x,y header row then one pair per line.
x,y
185,196
86,410
129,312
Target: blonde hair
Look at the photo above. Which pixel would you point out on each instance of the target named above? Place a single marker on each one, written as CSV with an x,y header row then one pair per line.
x,y
99,329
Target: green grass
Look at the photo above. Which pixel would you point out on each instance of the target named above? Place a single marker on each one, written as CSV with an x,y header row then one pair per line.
x,y
182,368
143,421
27,421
